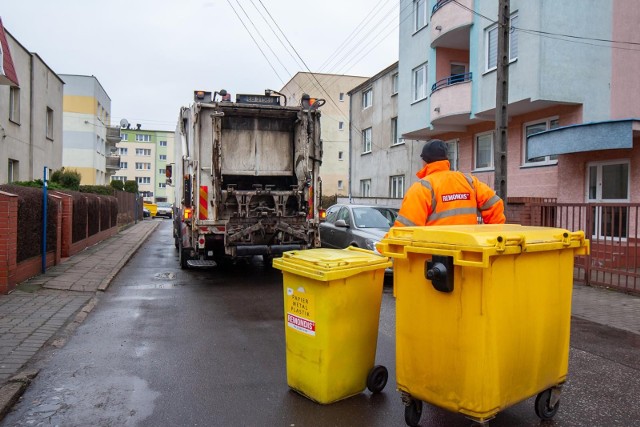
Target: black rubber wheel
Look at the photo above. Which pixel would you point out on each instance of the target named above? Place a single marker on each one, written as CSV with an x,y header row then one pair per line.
x,y
377,379
542,405
413,412
183,254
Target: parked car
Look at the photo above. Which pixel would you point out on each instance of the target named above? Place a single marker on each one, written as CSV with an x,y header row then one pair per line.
x,y
146,213
165,209
356,225
153,208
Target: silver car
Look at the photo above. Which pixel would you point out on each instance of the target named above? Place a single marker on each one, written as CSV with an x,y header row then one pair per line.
x,y
356,225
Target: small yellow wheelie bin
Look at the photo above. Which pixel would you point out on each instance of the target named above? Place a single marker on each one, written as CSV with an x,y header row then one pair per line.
x,y
332,308
482,316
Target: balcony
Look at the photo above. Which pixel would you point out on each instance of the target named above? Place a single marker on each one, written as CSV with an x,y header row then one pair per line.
x,y
112,163
451,101
451,23
113,135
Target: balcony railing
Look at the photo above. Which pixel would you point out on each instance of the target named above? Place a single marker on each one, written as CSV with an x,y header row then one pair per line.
x,y
113,162
451,80
439,5
113,134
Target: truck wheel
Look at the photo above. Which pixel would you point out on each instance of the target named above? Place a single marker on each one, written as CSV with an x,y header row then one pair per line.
x,y
183,255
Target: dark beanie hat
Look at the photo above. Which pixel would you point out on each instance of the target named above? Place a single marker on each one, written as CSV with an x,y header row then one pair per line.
x,y
434,150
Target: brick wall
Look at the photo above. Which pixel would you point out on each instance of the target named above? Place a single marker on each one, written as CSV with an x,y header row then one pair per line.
x,y
8,241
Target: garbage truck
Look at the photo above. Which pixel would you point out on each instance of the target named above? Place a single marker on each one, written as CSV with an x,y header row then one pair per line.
x,y
246,177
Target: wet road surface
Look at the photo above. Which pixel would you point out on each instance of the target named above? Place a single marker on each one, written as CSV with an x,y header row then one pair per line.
x,y
169,347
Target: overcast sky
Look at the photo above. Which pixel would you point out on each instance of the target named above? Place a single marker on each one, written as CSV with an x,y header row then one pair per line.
x,y
150,55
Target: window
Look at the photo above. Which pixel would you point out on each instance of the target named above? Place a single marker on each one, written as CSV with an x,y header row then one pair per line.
x,y
143,180
12,171
365,188
419,83
143,166
124,165
394,132
394,84
340,125
533,128
366,141
491,43
143,151
162,171
367,98
162,185
124,137
483,151
163,143
163,157
396,186
608,182
49,124
419,14
14,104
340,155
118,178
452,154
340,184
143,138
123,151
341,97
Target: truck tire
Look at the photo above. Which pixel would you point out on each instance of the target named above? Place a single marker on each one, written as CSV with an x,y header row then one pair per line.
x,y
183,255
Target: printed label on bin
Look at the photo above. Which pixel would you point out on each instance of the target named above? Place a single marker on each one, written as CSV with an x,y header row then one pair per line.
x,y
300,311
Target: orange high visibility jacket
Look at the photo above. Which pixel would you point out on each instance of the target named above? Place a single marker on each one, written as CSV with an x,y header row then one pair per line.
x,y
445,197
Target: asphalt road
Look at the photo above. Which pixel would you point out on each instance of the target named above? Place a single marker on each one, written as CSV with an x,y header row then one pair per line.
x,y
167,347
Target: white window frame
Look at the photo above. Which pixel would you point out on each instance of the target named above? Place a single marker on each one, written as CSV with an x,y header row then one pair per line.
x,y
123,151
124,137
340,125
143,137
490,166
162,185
367,98
396,186
341,97
49,124
548,160
143,179
365,187
143,152
162,157
163,143
419,19
340,155
416,94
12,170
395,139
366,140
340,184
513,41
124,165
394,84
14,104
600,213
452,153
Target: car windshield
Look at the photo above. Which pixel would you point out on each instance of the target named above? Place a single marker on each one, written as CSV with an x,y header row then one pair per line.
x,y
371,217
164,204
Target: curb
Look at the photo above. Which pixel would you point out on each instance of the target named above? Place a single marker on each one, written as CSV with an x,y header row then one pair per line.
x,y
14,388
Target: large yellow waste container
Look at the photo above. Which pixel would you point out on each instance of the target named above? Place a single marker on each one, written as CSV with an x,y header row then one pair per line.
x,y
332,308
482,316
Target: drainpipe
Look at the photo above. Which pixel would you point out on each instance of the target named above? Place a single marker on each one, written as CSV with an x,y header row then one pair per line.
x,y
350,109
31,100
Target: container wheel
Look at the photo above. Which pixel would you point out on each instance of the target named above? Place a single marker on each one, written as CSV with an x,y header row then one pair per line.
x,y
413,412
377,379
543,411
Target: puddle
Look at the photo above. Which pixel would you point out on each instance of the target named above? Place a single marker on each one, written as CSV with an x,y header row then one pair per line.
x,y
155,286
169,276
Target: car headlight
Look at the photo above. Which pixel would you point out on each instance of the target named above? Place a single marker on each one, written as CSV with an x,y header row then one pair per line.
x,y
371,245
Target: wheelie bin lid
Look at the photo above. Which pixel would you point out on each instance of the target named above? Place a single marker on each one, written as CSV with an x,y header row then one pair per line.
x,y
474,244
329,264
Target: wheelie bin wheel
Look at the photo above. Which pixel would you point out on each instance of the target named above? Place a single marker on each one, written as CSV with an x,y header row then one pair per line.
x,y
413,412
543,411
377,379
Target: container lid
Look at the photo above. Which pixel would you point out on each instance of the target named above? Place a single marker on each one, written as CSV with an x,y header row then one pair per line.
x,y
488,239
330,264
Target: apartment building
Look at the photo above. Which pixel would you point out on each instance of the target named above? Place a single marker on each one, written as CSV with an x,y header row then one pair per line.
x,y
335,122
30,113
89,139
574,119
144,156
379,159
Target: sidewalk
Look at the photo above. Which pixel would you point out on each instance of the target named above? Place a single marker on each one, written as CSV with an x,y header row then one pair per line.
x,y
45,309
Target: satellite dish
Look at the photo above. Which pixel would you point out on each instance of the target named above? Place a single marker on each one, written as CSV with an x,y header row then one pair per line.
x,y
124,123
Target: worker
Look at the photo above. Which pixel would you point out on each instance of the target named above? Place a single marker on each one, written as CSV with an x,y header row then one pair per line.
x,y
445,197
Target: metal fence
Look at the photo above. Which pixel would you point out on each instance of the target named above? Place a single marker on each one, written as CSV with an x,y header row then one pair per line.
x,y
612,229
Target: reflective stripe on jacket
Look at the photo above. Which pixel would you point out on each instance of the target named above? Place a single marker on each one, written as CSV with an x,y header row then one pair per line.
x,y
445,197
